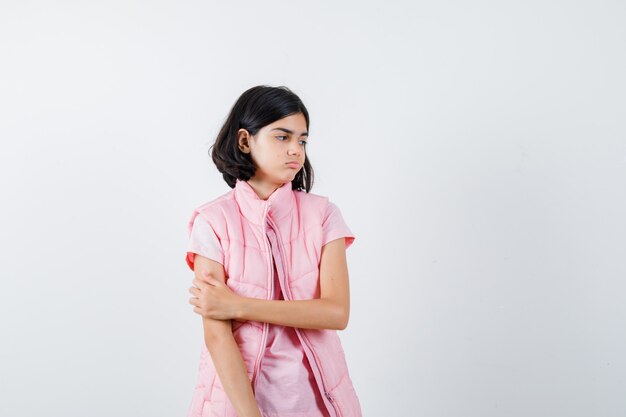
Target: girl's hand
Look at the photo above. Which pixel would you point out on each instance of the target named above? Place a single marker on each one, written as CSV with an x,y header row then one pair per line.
x,y
213,299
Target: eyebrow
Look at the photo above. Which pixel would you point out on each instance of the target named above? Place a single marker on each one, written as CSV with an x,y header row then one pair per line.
x,y
290,131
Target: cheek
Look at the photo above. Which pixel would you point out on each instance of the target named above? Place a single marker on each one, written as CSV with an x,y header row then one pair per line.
x,y
268,159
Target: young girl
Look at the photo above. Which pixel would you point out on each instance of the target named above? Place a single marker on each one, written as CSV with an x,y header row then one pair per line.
x,y
271,278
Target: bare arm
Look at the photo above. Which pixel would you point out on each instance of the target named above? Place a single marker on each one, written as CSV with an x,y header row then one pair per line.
x,y
330,311
224,351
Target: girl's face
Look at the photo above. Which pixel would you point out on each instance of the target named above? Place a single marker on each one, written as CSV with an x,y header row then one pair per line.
x,y
278,150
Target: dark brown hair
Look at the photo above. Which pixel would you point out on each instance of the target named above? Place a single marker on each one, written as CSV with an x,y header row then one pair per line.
x,y
257,107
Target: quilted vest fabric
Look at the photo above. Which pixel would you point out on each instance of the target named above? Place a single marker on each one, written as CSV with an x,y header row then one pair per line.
x,y
240,221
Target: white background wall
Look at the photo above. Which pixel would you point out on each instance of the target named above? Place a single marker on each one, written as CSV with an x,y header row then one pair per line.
x,y
476,149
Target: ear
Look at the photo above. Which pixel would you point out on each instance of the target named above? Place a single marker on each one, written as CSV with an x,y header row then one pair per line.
x,y
243,140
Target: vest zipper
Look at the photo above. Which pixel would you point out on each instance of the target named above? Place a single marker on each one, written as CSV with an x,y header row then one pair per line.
x,y
310,352
257,363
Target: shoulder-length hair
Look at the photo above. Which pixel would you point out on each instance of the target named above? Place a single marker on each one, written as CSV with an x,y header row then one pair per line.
x,y
257,107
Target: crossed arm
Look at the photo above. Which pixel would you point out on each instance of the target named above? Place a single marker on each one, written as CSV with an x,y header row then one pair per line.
x,y
330,311
308,314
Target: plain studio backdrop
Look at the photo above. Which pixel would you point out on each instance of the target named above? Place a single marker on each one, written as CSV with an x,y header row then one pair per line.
x,y
476,149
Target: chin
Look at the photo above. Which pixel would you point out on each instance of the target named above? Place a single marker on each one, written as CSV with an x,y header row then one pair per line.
x,y
282,180
287,178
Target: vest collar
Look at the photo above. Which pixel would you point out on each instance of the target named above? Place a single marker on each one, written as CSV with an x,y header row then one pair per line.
x,y
278,205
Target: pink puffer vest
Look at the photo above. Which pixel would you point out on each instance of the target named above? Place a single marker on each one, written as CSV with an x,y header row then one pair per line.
x,y
239,220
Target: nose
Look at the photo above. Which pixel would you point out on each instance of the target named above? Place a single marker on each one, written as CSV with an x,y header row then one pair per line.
x,y
294,148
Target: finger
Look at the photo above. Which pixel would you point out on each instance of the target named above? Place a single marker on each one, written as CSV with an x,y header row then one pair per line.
x,y
200,278
199,283
215,282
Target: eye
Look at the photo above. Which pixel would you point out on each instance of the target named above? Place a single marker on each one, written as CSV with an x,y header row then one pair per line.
x,y
281,137
303,142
